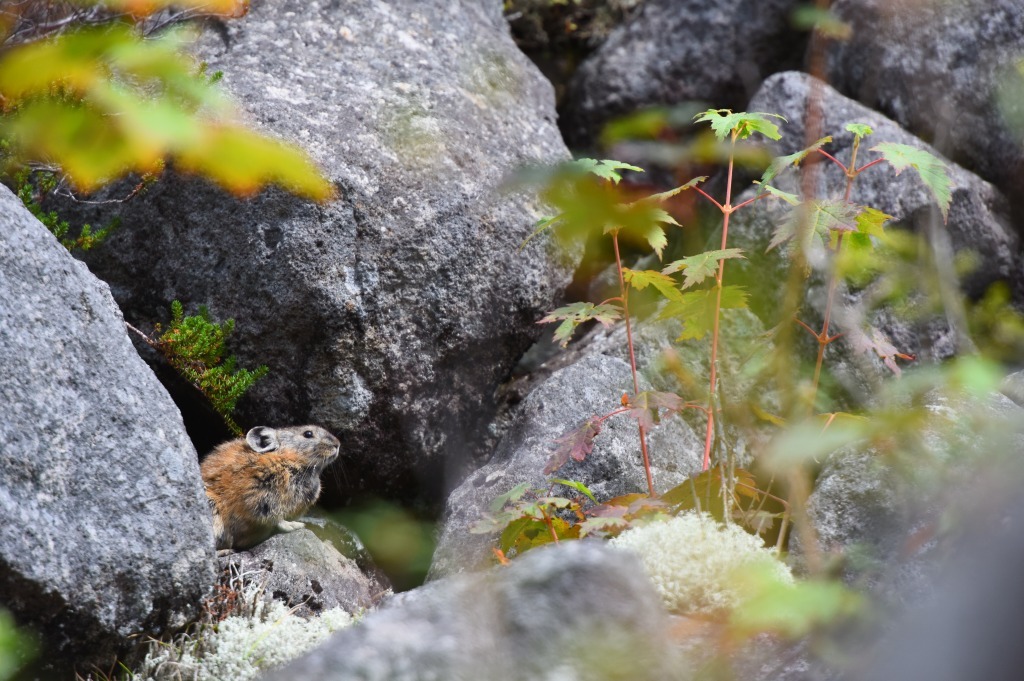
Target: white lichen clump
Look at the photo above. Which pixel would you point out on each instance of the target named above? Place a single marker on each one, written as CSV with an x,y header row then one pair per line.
x,y
242,647
694,561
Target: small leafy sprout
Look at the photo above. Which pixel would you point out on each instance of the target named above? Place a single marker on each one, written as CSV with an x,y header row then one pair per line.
x,y
741,125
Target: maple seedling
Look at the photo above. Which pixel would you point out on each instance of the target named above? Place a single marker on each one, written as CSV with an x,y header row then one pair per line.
x,y
834,221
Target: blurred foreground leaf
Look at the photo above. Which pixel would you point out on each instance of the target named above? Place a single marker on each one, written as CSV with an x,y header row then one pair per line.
x,y
104,102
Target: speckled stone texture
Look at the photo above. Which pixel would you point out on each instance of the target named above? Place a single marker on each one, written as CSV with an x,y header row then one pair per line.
x,y
676,51
574,611
106,531
590,387
938,69
391,314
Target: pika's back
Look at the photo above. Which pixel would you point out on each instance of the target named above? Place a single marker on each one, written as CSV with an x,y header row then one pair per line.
x,y
256,483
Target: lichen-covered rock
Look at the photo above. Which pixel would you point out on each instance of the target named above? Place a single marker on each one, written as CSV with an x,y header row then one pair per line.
x,y
574,611
590,387
307,574
106,531
391,314
937,68
676,51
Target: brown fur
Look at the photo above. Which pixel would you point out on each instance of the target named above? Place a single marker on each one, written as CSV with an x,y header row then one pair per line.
x,y
257,483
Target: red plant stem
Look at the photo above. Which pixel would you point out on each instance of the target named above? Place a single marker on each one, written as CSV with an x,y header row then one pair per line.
x,y
748,202
710,198
726,212
551,526
632,360
868,165
823,338
833,159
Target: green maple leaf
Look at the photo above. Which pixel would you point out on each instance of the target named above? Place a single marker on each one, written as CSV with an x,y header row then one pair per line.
x,y
697,268
642,220
573,315
780,163
697,309
930,169
859,129
826,217
725,123
606,168
641,279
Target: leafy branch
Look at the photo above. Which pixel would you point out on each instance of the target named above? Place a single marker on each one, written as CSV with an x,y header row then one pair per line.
x,y
196,347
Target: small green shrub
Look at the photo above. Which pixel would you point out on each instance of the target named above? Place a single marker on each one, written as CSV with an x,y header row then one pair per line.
x,y
196,347
31,187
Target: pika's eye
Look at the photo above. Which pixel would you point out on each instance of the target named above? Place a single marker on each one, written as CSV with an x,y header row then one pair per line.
x,y
308,434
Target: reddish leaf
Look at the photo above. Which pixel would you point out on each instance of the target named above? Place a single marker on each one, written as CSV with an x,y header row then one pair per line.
x,y
881,346
575,445
644,406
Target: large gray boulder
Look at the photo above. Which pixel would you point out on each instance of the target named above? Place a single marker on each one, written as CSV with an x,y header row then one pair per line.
x,y
391,314
578,610
590,387
106,531
676,51
936,68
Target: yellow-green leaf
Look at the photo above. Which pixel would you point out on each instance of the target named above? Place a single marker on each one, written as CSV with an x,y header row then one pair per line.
x,y
697,309
641,279
698,267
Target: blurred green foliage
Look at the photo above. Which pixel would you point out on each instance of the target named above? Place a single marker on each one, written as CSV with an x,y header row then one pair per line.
x,y
103,100
17,648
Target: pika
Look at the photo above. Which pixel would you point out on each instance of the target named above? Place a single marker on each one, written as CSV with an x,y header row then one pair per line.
x,y
256,484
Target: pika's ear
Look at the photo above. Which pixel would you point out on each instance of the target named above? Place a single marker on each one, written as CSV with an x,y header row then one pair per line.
x,y
262,439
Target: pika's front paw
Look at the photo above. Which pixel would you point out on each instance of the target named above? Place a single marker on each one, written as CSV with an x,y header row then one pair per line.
x,y
289,525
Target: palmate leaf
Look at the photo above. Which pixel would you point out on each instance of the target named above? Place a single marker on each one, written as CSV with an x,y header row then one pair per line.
x,y
641,221
575,314
697,309
825,217
930,169
780,163
606,168
641,279
724,123
645,406
859,129
697,268
575,445
578,486
880,345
